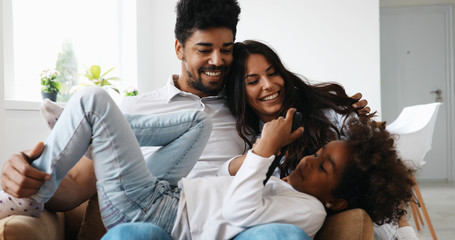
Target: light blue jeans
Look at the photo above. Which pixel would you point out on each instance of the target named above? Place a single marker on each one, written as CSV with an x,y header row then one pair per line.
x,y
136,231
127,191
148,231
273,231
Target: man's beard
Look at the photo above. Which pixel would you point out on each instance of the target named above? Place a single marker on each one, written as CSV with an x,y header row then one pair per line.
x,y
198,85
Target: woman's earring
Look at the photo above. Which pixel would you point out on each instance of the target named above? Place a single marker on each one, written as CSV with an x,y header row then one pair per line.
x,y
328,205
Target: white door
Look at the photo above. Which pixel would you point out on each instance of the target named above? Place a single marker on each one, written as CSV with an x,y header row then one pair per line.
x,y
416,59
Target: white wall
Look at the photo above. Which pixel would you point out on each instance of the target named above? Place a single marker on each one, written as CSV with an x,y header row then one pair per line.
x,y
324,40
22,129
2,92
155,43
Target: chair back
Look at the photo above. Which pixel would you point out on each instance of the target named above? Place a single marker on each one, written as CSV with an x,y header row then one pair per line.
x,y
414,127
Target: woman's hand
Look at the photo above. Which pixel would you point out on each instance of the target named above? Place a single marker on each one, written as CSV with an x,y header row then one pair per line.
x,y
360,104
277,134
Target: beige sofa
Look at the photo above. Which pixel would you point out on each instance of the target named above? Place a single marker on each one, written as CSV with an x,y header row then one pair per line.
x,y
84,222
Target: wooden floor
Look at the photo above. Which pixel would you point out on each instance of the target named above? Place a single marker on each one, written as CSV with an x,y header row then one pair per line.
x,y
440,202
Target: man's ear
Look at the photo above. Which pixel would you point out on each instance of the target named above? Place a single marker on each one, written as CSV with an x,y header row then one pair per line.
x,y
179,50
338,204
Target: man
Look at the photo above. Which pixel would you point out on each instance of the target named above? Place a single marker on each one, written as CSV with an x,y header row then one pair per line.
x,y
205,33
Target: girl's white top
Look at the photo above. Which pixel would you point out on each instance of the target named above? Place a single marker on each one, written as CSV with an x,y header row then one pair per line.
x,y
222,207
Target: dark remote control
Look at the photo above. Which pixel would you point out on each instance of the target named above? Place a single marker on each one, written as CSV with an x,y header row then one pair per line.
x,y
296,121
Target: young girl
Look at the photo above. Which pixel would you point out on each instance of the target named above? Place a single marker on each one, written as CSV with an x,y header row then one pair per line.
x,y
342,175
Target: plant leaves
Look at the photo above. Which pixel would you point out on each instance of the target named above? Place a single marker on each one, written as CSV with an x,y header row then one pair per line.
x,y
95,70
58,86
105,82
88,76
108,71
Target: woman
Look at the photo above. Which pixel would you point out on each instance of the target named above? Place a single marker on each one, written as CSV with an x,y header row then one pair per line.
x,y
260,89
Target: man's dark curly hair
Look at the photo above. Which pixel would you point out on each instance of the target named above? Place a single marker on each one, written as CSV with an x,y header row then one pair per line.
x,y
376,180
195,15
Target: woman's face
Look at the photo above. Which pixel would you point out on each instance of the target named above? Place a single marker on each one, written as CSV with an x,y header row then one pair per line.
x,y
319,174
264,87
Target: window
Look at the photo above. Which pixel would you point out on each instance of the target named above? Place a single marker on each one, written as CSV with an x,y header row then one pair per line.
x,y
68,35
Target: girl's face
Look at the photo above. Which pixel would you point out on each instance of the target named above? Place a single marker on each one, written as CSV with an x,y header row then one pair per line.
x,y
264,87
319,174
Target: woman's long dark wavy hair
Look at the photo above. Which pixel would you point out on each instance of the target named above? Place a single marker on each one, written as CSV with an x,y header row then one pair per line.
x,y
310,100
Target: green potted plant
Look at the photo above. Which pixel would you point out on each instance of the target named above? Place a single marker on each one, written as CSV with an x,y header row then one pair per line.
x,y
49,84
131,91
96,78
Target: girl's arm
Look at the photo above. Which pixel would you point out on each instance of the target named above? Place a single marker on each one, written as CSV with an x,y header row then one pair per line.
x,y
232,166
230,170
248,203
244,196
235,164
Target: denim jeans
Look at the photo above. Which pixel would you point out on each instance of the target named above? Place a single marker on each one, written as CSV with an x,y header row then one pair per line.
x,y
273,231
148,231
136,231
127,190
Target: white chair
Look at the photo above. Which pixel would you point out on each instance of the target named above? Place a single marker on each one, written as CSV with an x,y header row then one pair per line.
x,y
415,126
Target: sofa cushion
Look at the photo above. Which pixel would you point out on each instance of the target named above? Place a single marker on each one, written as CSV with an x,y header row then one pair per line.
x,y
350,224
47,227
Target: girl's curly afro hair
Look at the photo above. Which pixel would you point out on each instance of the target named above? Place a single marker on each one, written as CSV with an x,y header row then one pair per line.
x,y
376,179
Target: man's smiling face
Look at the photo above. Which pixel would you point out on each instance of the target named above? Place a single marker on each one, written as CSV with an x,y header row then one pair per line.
x,y
206,59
